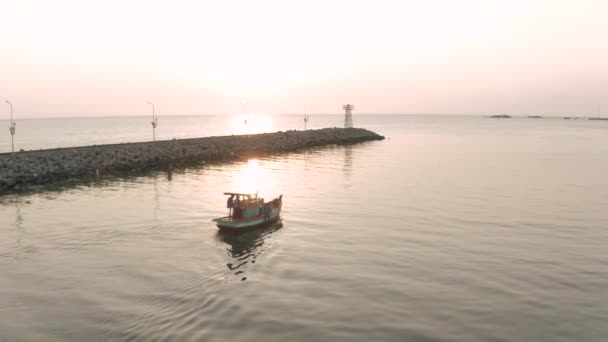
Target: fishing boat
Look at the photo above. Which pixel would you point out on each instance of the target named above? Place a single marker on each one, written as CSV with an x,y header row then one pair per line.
x,y
248,211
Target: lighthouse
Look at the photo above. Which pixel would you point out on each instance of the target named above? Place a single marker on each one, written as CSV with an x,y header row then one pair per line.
x,y
348,116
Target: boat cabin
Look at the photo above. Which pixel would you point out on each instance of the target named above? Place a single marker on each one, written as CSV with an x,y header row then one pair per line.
x,y
243,206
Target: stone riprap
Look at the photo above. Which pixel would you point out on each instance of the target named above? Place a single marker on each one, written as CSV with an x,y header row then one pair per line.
x,y
55,165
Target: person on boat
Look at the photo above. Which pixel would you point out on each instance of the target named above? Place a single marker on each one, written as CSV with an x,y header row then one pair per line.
x,y
230,204
237,207
267,212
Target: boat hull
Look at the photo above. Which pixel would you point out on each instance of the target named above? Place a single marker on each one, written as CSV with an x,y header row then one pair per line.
x,y
244,225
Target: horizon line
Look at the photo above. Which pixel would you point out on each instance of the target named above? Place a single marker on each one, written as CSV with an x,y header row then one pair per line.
x,y
70,116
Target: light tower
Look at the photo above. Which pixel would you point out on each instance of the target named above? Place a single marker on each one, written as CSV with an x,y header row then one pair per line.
x,y
154,122
12,128
348,116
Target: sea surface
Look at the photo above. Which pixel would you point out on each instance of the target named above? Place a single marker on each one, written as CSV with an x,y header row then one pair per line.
x,y
452,229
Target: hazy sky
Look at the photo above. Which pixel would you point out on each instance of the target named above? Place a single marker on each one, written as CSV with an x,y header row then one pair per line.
x,y
67,58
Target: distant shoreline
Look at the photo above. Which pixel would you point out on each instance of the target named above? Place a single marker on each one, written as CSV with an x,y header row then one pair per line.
x,y
505,116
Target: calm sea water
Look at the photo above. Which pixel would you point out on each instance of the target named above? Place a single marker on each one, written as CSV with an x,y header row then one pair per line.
x,y
452,229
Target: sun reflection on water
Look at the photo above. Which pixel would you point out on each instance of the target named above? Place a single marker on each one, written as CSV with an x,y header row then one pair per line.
x,y
247,180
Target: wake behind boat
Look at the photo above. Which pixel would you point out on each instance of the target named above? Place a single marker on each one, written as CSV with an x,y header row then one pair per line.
x,y
248,211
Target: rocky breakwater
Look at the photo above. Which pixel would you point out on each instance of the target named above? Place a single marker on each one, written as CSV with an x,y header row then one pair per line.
x,y
55,165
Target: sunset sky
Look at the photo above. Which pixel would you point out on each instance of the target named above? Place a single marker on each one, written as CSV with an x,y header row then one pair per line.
x,y
88,58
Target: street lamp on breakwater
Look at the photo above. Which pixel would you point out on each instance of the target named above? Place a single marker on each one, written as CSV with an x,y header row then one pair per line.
x,y
12,128
154,122
306,117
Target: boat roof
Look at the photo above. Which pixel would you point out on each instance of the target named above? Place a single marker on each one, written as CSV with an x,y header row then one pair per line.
x,y
239,194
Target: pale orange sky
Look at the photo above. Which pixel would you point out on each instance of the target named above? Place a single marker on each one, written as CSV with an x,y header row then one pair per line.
x,y
86,58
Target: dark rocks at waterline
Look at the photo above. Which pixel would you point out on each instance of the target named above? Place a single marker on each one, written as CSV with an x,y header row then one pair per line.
x,y
534,117
501,116
55,165
596,118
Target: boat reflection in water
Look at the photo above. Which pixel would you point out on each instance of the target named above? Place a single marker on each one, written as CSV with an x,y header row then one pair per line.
x,y
245,247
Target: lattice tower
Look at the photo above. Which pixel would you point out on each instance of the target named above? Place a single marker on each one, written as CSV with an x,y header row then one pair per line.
x,y
348,116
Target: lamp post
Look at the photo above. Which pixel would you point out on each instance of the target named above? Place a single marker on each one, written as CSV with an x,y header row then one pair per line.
x,y
245,111
305,116
154,122
12,128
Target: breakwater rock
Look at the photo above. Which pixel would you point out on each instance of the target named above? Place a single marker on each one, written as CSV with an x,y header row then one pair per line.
x,y
55,165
